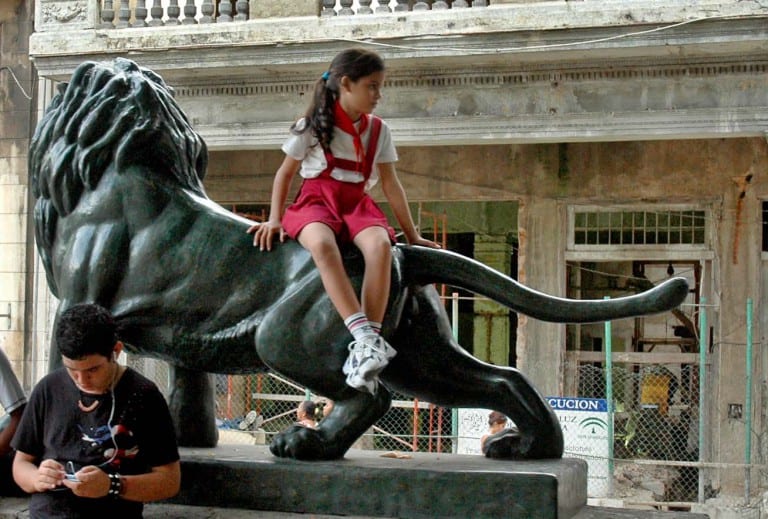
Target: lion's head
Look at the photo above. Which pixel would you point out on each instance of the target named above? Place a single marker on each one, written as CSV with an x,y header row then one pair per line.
x,y
112,115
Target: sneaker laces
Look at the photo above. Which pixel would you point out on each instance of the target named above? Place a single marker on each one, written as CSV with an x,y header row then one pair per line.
x,y
367,347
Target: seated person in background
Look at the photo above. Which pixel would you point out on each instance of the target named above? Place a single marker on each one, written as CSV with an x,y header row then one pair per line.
x,y
305,414
96,438
13,400
497,422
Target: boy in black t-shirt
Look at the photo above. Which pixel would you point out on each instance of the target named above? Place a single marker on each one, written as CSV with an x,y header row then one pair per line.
x,y
96,437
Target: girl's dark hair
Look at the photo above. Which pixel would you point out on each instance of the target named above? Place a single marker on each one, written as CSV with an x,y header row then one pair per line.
x,y
354,63
85,329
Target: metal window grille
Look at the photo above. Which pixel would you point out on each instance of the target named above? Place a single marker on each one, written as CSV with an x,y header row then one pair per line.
x,y
638,228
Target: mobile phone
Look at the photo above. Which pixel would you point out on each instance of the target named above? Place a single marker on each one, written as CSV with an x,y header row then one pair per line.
x,y
70,475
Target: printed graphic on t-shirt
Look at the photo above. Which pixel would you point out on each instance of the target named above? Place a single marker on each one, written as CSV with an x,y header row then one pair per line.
x,y
103,433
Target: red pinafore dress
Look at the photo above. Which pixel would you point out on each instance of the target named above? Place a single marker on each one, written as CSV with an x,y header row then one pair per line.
x,y
345,207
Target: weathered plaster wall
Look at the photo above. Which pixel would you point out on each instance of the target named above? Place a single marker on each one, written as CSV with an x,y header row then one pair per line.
x,y
15,28
617,171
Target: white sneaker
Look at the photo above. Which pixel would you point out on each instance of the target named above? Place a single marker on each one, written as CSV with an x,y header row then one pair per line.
x,y
355,381
367,358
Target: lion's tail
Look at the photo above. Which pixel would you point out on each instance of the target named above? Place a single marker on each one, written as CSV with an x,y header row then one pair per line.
x,y
424,265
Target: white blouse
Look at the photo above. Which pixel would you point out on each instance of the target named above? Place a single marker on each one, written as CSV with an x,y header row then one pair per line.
x,y
304,147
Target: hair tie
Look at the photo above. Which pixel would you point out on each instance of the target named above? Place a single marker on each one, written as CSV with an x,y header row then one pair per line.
x,y
325,75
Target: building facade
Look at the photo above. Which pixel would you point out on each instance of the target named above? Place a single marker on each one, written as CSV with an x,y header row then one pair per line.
x,y
588,148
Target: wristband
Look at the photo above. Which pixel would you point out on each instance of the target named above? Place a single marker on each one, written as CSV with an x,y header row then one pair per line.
x,y
115,485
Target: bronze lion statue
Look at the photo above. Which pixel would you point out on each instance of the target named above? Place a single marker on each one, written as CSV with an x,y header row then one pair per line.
x,y
122,220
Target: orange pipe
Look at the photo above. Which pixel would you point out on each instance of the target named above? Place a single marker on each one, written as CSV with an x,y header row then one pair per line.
x,y
415,441
431,422
439,429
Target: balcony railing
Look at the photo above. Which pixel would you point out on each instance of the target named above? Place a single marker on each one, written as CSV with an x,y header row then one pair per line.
x,y
122,14
350,7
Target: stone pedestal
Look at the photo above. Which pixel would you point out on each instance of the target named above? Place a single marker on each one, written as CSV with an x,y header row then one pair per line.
x,y
365,483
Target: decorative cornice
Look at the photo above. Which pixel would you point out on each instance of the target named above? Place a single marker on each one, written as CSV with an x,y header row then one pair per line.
x,y
522,129
462,78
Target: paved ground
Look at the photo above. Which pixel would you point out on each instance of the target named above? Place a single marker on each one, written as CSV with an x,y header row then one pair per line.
x,y
16,508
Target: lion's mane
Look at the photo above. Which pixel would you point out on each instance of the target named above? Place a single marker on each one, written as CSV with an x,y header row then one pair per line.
x,y
109,115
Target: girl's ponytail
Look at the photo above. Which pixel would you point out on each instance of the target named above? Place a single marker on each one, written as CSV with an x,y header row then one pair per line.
x,y
320,114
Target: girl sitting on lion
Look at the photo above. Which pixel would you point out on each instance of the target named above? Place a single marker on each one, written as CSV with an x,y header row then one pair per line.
x,y
341,150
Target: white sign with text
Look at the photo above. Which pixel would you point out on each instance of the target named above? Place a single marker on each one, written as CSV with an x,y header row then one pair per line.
x,y
585,431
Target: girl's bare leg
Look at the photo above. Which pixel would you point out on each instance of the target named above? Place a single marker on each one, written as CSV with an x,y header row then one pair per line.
x,y
369,356
320,241
374,243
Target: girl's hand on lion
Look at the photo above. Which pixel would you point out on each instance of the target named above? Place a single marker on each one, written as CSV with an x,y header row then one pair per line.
x,y
263,234
425,243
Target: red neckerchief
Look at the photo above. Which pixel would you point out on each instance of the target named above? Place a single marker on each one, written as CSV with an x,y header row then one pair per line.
x,y
345,124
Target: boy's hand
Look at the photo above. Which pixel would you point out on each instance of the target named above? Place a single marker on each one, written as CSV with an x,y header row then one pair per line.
x,y
91,482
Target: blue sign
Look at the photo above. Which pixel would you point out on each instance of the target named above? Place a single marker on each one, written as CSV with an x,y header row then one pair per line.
x,y
589,405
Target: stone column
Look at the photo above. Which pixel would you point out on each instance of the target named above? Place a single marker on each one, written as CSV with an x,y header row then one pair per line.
x,y
491,320
540,345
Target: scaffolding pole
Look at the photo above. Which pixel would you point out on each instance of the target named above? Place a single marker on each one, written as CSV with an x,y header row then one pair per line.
x,y
702,377
609,400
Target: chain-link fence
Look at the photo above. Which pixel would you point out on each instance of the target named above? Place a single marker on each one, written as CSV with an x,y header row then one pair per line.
x,y
253,408
655,429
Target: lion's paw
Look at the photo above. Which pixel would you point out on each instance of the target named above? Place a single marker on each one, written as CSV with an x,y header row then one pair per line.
x,y
507,444
298,442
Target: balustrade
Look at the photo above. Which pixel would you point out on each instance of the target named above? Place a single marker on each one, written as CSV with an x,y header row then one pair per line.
x,y
349,7
121,14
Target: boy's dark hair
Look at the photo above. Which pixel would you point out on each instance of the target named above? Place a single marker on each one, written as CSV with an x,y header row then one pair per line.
x,y
309,407
85,329
354,63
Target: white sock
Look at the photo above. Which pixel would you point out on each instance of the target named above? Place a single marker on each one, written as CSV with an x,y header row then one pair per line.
x,y
376,327
359,326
